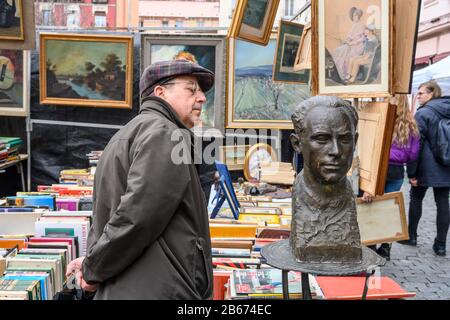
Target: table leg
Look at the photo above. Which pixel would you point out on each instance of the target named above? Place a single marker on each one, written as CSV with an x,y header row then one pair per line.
x,y
20,169
306,289
366,284
285,283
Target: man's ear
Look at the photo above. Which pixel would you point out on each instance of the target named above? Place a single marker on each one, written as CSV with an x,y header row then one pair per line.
x,y
158,91
295,141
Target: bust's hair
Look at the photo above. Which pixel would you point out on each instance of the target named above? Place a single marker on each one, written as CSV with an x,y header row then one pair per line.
x,y
301,111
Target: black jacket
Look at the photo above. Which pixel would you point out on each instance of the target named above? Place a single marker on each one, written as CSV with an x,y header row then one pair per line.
x,y
150,235
426,169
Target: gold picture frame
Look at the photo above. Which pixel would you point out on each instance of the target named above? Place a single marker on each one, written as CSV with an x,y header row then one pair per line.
x,y
101,76
257,153
253,20
344,64
11,27
303,58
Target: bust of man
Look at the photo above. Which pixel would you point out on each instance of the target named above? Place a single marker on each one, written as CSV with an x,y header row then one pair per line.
x,y
324,225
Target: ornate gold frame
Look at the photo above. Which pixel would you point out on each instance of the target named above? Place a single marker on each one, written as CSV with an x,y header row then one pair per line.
x,y
253,149
126,104
238,17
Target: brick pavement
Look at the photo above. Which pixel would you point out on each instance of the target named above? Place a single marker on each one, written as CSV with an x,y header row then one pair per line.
x,y
418,269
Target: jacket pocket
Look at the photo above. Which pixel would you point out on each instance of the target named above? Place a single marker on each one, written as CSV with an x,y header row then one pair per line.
x,y
202,271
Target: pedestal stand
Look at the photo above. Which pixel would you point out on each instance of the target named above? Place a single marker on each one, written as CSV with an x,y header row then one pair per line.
x,y
279,255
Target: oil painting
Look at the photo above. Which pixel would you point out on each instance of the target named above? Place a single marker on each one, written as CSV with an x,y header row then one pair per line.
x,y
11,19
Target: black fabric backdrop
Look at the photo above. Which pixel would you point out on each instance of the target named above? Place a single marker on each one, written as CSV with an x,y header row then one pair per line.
x,y
57,147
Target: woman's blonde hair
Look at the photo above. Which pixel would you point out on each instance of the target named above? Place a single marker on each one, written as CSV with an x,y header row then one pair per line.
x,y
405,124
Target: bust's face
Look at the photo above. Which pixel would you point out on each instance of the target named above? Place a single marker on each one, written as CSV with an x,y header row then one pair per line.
x,y
328,144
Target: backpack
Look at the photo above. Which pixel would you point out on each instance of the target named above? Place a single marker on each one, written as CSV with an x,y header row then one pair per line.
x,y
441,148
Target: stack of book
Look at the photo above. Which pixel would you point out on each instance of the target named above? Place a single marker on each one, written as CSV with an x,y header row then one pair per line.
x,y
93,157
9,149
79,177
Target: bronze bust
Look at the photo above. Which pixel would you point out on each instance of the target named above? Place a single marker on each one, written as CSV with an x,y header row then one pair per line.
x,y
324,225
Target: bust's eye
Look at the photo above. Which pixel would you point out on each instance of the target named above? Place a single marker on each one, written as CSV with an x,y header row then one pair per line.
x,y
321,138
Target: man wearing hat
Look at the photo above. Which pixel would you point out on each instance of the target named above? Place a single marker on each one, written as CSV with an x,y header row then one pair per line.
x,y
150,234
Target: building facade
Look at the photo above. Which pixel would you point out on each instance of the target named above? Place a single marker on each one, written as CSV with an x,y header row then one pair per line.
x,y
76,13
433,43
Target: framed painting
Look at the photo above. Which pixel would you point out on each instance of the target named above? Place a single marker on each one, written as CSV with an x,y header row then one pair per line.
x,y
303,57
353,48
253,20
253,99
10,37
289,37
101,76
11,20
383,220
14,82
207,51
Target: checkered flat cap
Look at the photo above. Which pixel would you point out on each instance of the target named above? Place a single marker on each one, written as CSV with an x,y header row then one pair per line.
x,y
159,72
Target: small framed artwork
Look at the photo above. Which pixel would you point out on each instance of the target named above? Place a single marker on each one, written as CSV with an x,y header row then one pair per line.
x,y
289,37
257,154
209,51
233,156
253,99
303,57
101,76
11,20
253,20
14,82
353,48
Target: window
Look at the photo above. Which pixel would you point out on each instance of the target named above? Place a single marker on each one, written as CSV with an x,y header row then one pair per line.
x,y
200,23
72,19
99,1
179,24
289,8
100,20
46,17
165,24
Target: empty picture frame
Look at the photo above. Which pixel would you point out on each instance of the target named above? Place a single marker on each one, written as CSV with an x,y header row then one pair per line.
x,y
303,57
100,76
253,99
209,51
383,220
14,83
10,36
253,20
352,48
375,128
289,42
406,32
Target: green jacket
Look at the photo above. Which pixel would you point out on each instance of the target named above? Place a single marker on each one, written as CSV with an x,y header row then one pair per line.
x,y
150,234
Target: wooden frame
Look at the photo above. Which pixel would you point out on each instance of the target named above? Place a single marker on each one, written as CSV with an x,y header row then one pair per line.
x,y
94,81
375,128
261,29
344,69
18,105
407,29
303,58
236,160
249,157
250,67
17,33
209,51
383,220
289,34
28,41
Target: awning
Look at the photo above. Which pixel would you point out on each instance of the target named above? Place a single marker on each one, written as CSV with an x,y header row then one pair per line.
x,y
431,58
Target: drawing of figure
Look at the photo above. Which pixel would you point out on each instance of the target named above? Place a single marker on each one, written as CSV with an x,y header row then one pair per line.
x,y
370,45
352,46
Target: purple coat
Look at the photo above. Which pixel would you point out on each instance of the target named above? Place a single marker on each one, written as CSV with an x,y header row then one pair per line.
x,y
403,155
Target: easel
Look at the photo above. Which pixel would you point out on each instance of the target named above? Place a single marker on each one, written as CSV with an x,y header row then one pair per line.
x,y
225,192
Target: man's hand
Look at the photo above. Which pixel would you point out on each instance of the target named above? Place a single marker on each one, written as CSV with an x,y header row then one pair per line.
x,y
367,197
74,267
414,182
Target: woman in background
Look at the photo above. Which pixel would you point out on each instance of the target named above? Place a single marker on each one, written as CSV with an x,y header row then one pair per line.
x,y
404,149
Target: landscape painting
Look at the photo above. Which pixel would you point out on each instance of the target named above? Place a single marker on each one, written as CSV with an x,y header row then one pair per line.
x,y
14,75
289,37
208,52
254,100
11,19
100,76
354,47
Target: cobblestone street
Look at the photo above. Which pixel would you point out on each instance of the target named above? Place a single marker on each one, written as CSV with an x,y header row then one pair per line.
x,y
418,269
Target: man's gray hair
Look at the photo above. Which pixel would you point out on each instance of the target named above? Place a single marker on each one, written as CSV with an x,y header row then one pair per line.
x,y
299,115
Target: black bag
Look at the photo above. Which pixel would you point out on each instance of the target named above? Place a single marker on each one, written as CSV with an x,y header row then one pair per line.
x,y
441,148
73,292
